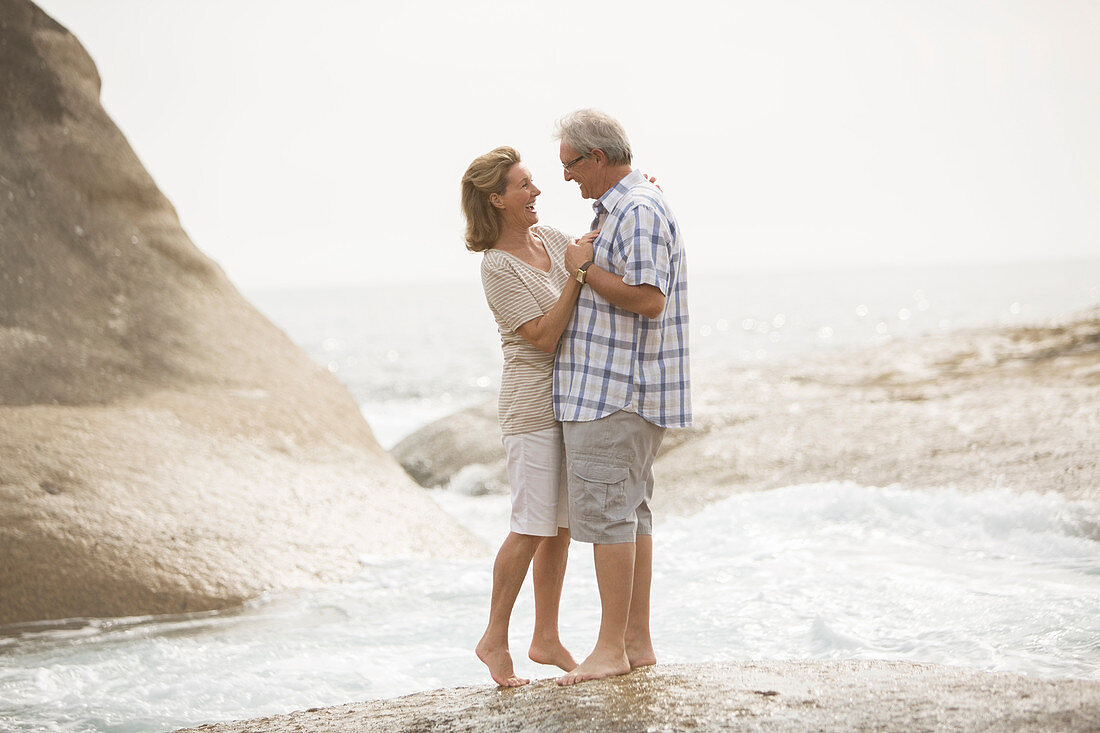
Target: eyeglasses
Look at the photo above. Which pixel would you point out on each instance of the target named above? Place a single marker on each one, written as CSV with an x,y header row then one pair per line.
x,y
573,162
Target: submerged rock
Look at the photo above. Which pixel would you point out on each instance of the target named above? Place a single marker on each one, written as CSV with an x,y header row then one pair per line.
x,y
163,447
434,454
752,696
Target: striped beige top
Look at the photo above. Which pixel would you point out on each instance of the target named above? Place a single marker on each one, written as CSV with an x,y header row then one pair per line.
x,y
518,292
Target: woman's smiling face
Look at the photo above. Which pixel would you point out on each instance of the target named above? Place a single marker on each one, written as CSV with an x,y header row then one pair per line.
x,y
517,204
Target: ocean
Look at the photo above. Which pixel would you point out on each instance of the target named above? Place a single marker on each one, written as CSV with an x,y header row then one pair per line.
x,y
830,570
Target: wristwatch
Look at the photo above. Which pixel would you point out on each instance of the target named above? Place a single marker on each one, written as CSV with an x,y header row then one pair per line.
x,y
582,271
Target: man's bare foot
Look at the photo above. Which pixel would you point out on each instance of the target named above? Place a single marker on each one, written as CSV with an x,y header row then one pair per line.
x,y
552,653
640,655
499,662
599,664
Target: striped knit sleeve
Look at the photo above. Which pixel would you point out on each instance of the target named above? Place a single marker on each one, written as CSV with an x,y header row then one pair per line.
x,y
508,296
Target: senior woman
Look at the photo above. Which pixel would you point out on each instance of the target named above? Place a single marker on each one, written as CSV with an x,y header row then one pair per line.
x,y
531,296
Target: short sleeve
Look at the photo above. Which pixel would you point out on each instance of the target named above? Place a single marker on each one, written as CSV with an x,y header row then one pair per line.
x,y
644,244
508,296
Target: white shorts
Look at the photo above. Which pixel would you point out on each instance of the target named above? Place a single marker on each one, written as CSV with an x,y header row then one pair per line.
x,y
539,482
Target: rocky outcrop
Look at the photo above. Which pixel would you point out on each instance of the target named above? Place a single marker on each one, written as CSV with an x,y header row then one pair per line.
x,y
1010,407
435,454
163,447
1013,407
752,696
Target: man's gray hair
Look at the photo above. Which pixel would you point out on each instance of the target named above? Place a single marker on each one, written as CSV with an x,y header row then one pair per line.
x,y
588,129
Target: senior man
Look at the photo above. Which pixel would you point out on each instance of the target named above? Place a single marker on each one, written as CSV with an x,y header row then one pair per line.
x,y
620,379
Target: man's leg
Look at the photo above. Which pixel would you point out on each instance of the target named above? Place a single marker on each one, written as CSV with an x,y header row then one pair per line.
x,y
609,492
639,644
615,578
548,570
509,570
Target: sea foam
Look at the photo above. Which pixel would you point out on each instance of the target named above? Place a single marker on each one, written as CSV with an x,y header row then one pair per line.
x,y
994,580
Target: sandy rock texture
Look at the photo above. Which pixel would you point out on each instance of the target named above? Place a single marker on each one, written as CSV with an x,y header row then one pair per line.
x,y
1013,407
163,447
753,696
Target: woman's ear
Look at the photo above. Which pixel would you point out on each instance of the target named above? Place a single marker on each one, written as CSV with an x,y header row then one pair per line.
x,y
496,200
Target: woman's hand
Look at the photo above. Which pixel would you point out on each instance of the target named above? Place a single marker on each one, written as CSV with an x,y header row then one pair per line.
x,y
586,243
588,238
580,252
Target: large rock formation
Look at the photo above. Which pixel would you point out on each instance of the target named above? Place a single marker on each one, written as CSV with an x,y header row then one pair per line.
x,y
755,696
163,447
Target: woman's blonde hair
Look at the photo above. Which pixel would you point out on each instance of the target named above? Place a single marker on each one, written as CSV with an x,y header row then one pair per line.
x,y
488,174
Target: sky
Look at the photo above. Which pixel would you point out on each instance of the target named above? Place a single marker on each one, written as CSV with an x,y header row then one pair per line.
x,y
323,143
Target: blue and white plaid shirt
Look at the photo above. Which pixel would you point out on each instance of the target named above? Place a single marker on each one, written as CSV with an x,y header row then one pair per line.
x,y
610,358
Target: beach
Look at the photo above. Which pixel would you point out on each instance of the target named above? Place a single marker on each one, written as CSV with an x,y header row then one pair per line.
x,y
220,507
993,413
946,480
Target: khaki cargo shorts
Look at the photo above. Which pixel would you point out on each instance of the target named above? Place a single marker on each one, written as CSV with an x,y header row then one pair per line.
x,y
610,464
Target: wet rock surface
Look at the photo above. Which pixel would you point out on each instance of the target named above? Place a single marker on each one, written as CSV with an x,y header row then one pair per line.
x,y
750,696
163,447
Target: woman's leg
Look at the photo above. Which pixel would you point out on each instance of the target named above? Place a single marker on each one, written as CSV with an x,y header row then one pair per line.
x,y
509,570
549,573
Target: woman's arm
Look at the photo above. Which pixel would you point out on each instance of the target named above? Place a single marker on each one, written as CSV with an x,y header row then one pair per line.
x,y
545,331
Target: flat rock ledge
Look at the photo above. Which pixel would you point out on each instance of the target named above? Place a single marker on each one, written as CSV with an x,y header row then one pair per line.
x,y
749,696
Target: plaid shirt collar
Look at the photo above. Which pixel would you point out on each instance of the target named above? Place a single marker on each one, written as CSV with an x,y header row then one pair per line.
x,y
606,204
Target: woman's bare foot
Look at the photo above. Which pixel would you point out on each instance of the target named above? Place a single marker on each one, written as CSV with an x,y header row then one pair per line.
x,y
599,664
499,662
551,653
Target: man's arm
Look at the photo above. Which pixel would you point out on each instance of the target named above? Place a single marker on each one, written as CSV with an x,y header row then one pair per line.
x,y
645,299
646,232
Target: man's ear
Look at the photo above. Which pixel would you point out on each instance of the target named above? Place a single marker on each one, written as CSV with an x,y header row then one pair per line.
x,y
496,200
599,155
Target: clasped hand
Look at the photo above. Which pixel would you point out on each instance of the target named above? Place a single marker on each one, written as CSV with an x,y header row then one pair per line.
x,y
579,252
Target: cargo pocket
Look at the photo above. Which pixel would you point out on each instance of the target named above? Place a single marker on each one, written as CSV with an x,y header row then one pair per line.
x,y
603,488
